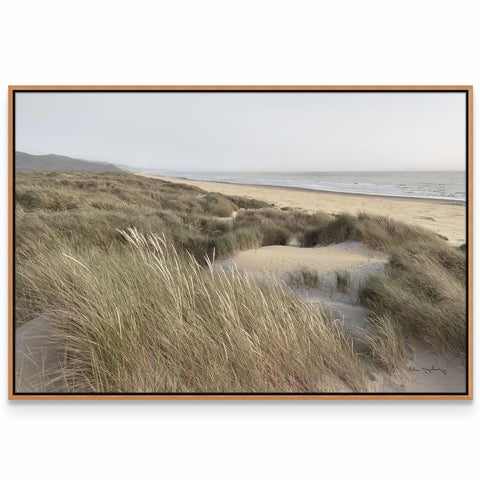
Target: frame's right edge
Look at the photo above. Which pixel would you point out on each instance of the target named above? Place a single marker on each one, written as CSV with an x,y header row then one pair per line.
x,y
470,242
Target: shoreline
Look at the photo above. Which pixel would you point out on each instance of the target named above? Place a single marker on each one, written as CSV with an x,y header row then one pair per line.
x,y
441,201
445,217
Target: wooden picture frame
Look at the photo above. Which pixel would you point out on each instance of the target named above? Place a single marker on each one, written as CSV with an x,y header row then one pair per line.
x,y
467,395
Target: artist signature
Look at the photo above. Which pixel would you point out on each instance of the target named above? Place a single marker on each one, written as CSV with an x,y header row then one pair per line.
x,y
428,370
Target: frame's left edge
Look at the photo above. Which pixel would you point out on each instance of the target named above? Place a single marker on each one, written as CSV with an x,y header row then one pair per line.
x,y
11,373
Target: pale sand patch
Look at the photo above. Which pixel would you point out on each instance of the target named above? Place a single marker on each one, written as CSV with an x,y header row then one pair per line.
x,y
442,216
280,259
433,373
37,359
277,261
425,372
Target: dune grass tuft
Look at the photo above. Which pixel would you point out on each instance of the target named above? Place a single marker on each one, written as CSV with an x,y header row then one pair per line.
x,y
386,343
303,276
342,280
378,232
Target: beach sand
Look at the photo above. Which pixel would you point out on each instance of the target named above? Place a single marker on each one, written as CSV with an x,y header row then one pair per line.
x,y
446,217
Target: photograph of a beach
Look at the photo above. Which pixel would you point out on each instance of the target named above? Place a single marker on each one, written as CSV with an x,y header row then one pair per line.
x,y
240,243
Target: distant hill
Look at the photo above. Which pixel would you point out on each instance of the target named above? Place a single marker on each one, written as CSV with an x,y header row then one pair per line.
x,y
24,162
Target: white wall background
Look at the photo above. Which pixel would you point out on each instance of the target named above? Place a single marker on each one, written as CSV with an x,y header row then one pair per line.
x,y
248,42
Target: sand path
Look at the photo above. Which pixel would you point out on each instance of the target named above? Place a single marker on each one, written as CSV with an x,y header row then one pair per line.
x,y
446,217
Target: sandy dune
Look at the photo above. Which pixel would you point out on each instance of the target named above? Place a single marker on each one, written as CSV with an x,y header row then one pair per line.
x,y
276,261
425,371
280,259
442,216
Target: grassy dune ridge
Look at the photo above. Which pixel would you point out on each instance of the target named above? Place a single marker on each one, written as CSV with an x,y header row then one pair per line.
x,y
135,314
423,294
152,320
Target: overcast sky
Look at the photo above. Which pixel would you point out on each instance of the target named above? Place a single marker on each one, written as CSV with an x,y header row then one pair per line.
x,y
248,131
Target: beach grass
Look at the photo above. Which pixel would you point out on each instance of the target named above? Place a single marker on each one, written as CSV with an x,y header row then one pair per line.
x,y
76,263
155,320
423,291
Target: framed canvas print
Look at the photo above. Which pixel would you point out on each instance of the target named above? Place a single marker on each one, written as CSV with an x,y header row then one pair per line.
x,y
240,242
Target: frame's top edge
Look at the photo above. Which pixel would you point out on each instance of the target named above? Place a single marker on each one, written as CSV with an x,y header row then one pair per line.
x,y
240,87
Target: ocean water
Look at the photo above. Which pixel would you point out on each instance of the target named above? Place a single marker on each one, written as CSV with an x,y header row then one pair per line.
x,y
439,184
